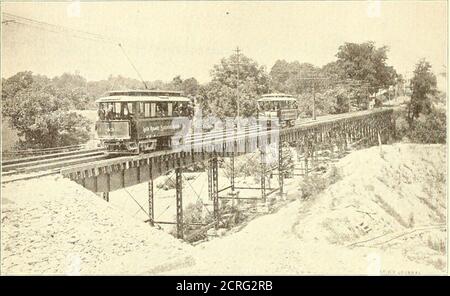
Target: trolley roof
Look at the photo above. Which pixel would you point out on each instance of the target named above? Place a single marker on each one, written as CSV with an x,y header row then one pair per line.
x,y
277,97
143,96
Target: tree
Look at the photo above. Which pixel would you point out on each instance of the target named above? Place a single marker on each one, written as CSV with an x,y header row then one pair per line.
x,y
400,85
425,115
33,107
423,86
427,129
366,64
72,87
190,87
225,91
292,77
56,129
176,83
279,74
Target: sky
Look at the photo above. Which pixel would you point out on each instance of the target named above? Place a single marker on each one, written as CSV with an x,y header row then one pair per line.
x,y
166,39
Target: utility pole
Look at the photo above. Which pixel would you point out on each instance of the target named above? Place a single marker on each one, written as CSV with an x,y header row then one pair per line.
x,y
313,79
238,51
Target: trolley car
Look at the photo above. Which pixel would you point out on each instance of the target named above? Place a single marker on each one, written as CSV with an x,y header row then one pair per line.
x,y
137,121
281,107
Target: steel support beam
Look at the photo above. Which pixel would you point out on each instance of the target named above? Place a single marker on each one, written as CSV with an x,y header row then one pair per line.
x,y
210,187
232,172
179,201
151,211
280,167
215,189
263,174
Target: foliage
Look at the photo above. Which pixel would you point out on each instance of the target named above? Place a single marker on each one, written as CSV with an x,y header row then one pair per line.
x,y
221,96
425,113
428,128
96,89
325,103
244,166
366,64
340,86
288,160
73,88
289,77
235,214
190,87
39,112
193,214
56,129
313,184
423,86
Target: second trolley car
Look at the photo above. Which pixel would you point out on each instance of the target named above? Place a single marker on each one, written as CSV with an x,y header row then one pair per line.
x,y
278,106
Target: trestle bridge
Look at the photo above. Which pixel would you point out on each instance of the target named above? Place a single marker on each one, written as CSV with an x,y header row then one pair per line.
x,y
104,176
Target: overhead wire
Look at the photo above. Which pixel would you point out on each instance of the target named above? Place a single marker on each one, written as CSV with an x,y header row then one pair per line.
x,y
75,33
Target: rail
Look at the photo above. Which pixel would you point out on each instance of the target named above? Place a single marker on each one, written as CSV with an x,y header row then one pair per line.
x,y
16,154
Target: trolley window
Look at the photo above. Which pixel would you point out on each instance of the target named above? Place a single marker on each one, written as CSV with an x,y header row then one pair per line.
x,y
161,109
130,108
141,109
147,110
117,109
153,110
169,109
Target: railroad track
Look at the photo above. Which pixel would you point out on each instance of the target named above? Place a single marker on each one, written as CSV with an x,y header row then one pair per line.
x,y
43,165
17,154
36,166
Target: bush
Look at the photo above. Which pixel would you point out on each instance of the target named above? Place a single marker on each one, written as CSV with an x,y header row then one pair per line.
x,y
244,166
314,184
56,129
250,164
194,214
427,129
236,215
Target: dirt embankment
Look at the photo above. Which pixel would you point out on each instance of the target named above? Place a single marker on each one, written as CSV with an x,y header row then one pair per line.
x,y
393,200
57,227
384,214
401,188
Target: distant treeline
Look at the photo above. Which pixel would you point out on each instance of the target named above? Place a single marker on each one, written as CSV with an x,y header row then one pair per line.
x,y
38,106
359,71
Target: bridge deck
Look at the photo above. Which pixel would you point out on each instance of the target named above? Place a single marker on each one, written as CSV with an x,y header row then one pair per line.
x,y
116,173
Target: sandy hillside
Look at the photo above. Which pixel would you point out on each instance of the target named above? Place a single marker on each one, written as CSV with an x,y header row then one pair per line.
x,y
56,227
384,214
